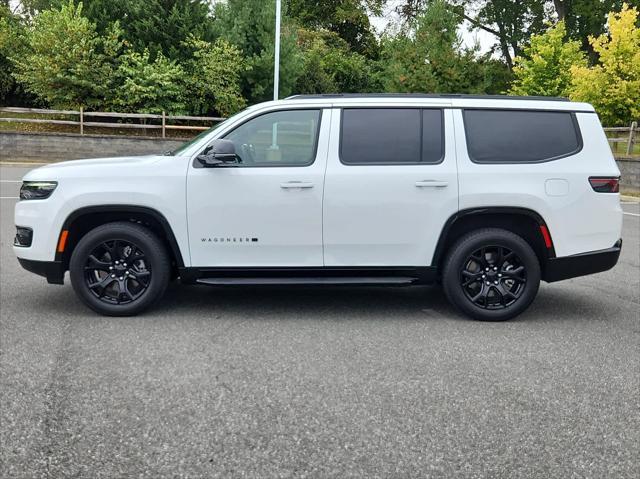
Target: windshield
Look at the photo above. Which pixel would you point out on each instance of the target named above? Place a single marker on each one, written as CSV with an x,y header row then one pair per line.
x,y
178,151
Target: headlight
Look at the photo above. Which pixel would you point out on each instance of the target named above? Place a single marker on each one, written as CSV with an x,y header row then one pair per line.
x,y
37,190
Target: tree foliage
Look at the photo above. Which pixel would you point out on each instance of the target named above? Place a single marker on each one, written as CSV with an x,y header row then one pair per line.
x,y
213,57
329,66
613,85
545,65
9,27
148,86
584,18
249,25
512,22
62,59
161,26
213,76
430,57
349,19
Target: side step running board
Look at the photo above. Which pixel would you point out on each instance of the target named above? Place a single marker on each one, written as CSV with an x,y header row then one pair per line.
x,y
364,281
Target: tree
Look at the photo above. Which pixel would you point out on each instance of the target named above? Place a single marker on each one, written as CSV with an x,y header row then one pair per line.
x,y
512,22
9,27
613,86
347,18
161,26
250,26
213,76
329,66
63,59
148,86
430,58
584,18
545,65
157,25
496,76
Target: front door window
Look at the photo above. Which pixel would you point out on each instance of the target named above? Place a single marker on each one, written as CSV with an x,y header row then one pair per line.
x,y
282,138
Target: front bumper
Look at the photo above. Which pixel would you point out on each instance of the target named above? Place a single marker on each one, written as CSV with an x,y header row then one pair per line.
x,y
52,270
582,264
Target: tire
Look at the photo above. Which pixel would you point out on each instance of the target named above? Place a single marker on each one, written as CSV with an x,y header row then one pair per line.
x,y
491,275
120,269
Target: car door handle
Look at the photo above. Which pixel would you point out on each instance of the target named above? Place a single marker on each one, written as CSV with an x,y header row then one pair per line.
x,y
431,183
296,184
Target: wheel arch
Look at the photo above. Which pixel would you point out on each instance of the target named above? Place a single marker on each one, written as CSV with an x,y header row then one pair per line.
x,y
525,222
81,221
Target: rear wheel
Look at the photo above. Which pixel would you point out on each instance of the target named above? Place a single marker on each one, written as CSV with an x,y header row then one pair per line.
x,y
119,269
491,274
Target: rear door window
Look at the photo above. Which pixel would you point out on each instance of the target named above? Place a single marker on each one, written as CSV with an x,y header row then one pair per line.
x,y
517,136
391,136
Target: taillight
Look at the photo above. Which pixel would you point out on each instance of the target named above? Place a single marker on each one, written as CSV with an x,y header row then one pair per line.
x,y
605,184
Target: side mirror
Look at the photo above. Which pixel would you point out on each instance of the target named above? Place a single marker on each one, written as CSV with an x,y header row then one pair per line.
x,y
220,153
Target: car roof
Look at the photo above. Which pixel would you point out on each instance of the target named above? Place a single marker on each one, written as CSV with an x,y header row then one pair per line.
x,y
434,100
425,95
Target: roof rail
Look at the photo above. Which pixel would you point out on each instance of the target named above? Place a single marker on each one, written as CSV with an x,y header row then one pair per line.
x,y
424,95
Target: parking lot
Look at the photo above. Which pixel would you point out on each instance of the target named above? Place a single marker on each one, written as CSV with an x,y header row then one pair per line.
x,y
319,382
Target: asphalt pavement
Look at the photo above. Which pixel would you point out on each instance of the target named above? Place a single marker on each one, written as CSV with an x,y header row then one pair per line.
x,y
319,382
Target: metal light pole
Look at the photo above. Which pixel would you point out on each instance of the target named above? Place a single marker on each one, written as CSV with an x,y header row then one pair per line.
x,y
276,70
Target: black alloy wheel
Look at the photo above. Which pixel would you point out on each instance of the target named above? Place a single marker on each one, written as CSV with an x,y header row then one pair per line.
x,y
491,274
493,277
120,268
116,272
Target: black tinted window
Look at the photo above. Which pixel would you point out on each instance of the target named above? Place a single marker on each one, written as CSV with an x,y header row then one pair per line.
x,y
391,135
503,136
432,136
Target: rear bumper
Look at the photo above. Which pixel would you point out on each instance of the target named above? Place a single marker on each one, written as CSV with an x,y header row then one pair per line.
x,y
582,264
52,270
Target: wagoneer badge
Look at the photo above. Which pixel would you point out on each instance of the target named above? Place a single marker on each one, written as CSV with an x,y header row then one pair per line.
x,y
230,239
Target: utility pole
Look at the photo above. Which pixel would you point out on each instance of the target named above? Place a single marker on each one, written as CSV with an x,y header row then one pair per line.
x,y
276,70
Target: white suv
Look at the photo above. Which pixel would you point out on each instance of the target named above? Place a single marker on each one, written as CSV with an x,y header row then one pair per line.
x,y
486,195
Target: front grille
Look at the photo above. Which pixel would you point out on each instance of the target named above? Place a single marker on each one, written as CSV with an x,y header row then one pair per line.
x,y
24,236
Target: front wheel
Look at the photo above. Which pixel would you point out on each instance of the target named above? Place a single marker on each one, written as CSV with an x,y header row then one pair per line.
x,y
491,274
119,269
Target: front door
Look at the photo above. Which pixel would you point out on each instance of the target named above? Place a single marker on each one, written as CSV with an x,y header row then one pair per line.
x,y
266,210
391,185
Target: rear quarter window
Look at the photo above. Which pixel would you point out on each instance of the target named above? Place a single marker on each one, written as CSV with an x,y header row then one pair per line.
x,y
518,136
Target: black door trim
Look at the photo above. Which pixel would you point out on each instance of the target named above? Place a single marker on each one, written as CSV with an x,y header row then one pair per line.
x,y
369,274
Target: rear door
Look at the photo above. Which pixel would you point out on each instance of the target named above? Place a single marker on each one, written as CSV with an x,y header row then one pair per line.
x,y
390,186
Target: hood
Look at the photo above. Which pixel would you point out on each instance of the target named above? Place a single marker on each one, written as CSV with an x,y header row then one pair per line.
x,y
92,167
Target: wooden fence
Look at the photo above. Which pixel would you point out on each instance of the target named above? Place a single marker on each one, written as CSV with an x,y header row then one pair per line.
x,y
164,121
621,135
